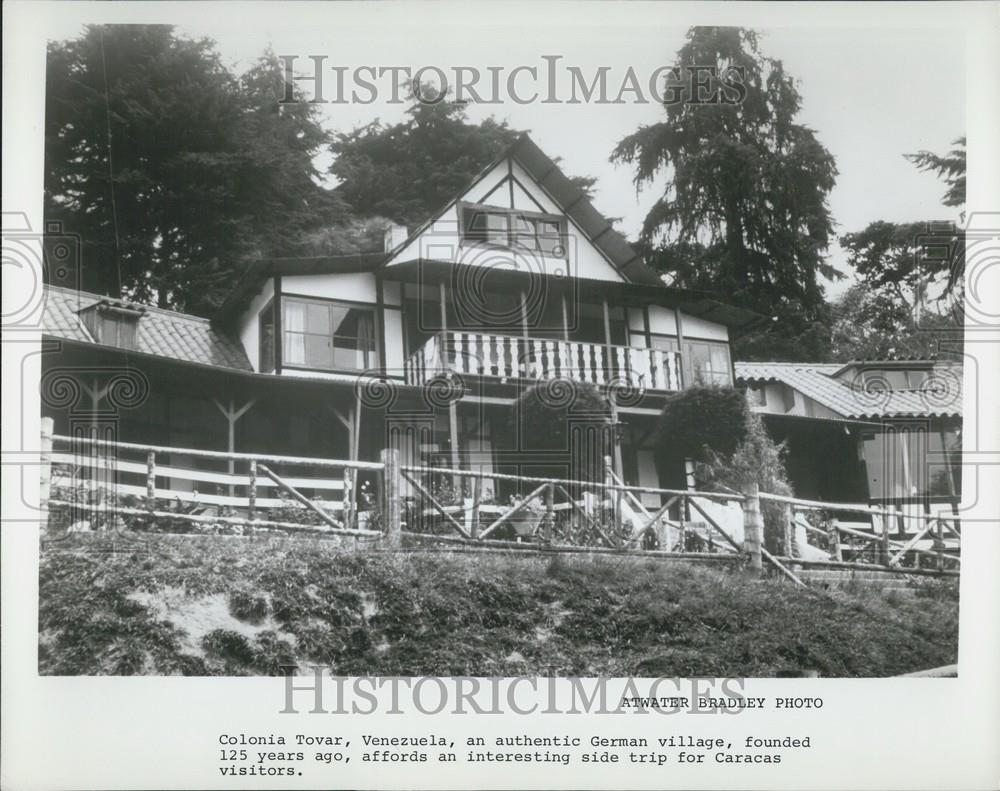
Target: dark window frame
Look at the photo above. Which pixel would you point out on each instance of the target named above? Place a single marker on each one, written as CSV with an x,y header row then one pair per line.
x,y
687,361
372,356
470,236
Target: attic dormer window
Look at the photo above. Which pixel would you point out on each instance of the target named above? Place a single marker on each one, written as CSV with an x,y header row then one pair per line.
x,y
531,231
113,322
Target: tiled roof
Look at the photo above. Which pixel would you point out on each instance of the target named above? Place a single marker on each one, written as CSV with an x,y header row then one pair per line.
x,y
939,396
164,333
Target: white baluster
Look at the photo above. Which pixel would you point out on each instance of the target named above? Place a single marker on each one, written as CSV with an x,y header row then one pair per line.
x,y
492,366
479,352
623,368
458,340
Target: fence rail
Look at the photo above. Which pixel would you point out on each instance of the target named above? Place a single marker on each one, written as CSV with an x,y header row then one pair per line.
x,y
271,492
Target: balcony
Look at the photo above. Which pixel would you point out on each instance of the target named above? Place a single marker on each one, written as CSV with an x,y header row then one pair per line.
x,y
507,357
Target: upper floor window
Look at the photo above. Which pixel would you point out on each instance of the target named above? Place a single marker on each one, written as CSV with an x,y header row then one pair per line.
x,y
540,233
327,335
706,363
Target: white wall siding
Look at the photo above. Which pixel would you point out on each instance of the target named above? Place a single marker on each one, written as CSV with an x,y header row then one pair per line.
x,y
662,320
394,358
249,326
353,286
694,327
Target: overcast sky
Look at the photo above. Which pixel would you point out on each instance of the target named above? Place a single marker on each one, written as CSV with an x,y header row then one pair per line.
x,y
871,94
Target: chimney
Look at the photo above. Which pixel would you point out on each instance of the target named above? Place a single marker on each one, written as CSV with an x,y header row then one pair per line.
x,y
395,235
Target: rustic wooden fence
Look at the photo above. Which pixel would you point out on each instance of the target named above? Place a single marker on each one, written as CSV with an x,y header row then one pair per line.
x,y
90,478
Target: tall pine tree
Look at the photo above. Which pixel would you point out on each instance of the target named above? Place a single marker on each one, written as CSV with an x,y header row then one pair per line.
x,y
173,171
744,213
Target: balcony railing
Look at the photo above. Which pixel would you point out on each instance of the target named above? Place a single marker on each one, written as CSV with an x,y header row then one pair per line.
x,y
511,357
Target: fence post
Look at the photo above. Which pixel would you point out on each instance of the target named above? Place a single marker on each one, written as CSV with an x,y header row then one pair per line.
x,y
549,512
834,533
347,498
789,531
939,532
753,525
45,482
612,495
151,480
252,490
884,553
682,522
390,498
477,496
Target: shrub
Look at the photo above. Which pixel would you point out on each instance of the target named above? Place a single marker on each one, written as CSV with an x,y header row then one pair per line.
x,y
570,422
715,427
697,419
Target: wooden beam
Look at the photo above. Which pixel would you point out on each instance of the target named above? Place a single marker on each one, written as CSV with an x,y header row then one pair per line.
x,y
774,562
435,504
586,516
515,510
565,317
679,324
293,492
524,316
719,529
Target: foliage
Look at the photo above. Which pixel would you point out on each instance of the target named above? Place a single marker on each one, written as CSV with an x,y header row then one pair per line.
x,y
744,210
871,324
409,171
906,262
425,614
568,424
950,167
730,447
910,296
695,420
172,171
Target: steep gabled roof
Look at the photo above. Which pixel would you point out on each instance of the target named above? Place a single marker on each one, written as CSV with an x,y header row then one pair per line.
x,y
941,395
163,333
573,202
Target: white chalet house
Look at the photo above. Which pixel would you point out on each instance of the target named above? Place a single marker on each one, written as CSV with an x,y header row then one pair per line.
x,y
425,344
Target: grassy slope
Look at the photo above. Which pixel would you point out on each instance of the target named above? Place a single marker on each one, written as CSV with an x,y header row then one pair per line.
x,y
205,605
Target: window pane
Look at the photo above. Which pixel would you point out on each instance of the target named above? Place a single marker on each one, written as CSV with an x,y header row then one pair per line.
x,y
550,240
317,318
663,342
343,320
294,349
496,228
293,316
720,365
524,233
318,351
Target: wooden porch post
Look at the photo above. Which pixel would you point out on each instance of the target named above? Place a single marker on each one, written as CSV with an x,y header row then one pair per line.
x,y
565,318
615,439
524,315
232,415
679,322
456,480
